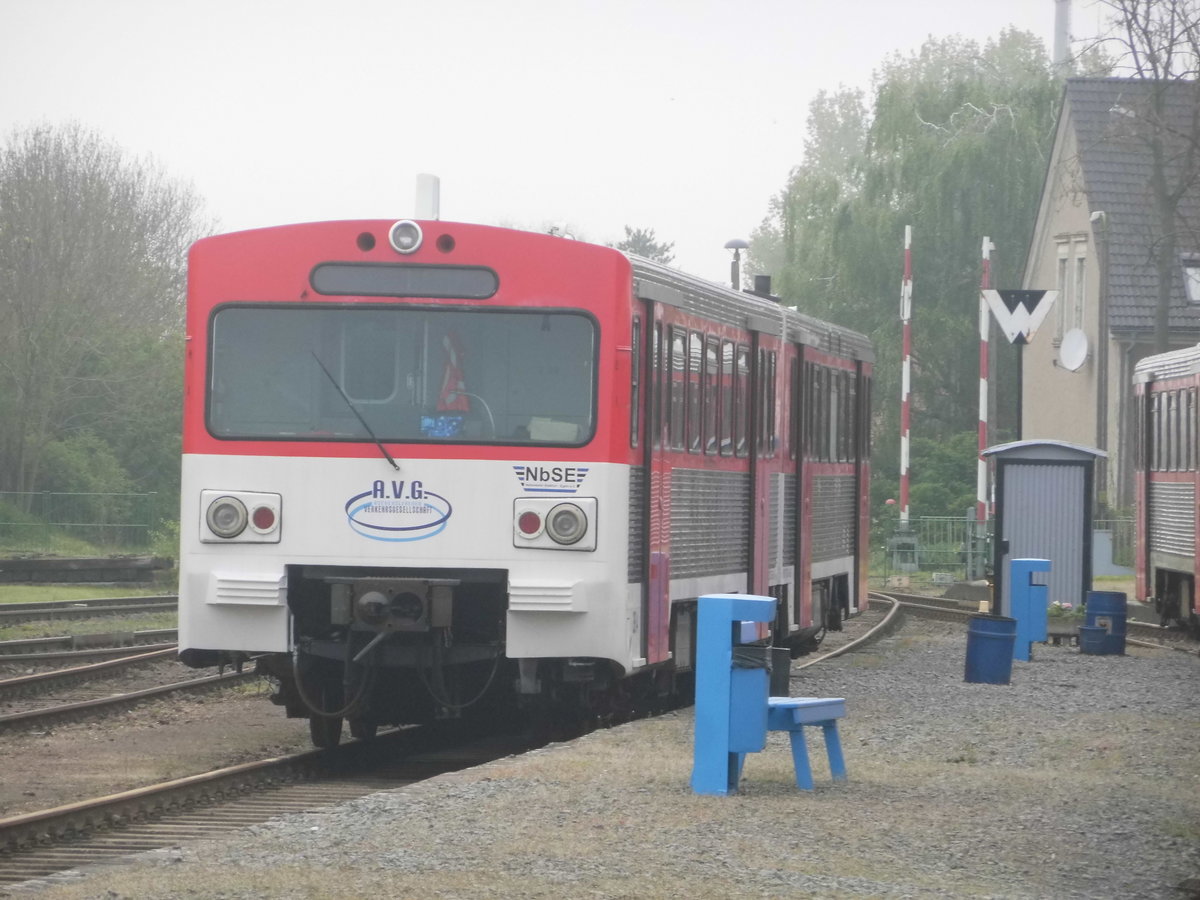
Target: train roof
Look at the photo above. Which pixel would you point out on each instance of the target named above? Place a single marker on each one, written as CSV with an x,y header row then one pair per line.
x,y
661,283
1172,364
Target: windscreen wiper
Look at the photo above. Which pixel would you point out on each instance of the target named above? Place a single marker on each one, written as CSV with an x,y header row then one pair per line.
x,y
357,414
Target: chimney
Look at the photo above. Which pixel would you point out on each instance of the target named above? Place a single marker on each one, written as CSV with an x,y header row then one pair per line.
x,y
1062,33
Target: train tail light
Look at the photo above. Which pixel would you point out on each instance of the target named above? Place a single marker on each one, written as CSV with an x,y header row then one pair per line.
x,y
240,517
529,524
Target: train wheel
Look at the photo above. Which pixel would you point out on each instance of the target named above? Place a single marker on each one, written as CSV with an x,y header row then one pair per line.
x,y
324,731
363,729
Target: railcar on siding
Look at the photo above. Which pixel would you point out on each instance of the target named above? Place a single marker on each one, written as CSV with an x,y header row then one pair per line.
x,y
432,469
1166,459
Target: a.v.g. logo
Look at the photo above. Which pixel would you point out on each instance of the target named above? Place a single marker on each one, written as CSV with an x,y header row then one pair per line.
x,y
539,479
398,511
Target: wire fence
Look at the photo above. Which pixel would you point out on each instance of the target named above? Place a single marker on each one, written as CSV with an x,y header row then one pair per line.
x,y
945,550
37,521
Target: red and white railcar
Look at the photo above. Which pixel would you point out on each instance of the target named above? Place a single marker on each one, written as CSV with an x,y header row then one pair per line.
x,y
1166,460
431,467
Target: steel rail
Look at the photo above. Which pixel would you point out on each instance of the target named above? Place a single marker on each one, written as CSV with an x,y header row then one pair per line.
x,y
73,655
15,613
47,715
24,685
92,603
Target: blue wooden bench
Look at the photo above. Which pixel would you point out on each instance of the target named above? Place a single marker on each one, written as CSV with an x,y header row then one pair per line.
x,y
793,715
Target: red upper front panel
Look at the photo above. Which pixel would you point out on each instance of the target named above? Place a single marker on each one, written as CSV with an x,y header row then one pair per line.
x,y
461,350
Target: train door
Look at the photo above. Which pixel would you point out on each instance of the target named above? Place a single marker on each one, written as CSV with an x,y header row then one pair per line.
x,y
771,559
656,593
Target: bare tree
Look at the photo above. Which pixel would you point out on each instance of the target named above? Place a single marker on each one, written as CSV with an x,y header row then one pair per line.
x,y
92,267
1158,42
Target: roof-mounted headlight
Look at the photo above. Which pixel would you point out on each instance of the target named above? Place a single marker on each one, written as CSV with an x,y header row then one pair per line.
x,y
405,236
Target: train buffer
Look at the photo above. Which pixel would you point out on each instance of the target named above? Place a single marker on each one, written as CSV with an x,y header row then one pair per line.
x,y
733,709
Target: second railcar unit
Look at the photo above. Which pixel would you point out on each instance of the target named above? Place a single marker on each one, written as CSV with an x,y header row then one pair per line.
x,y
432,467
1166,460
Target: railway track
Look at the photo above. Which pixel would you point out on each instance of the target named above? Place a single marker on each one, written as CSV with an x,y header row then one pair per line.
x,y
82,692
52,610
1140,634
41,843
100,643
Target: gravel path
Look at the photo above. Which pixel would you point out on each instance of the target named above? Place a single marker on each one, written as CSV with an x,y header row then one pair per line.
x,y
1080,779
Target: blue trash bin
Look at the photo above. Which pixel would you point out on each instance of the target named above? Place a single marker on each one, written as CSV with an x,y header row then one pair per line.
x,y
1091,640
990,641
1107,610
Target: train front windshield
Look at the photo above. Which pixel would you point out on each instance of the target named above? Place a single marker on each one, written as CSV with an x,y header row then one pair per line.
x,y
319,373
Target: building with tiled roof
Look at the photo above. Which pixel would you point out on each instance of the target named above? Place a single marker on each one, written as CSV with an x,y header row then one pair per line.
x,y
1097,241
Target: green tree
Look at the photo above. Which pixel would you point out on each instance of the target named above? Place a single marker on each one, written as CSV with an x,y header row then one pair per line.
x,y
955,144
642,242
92,270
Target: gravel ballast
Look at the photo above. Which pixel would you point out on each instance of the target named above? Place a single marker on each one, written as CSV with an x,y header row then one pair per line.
x,y
1079,779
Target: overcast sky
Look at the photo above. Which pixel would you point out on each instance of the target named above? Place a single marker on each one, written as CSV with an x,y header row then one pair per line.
x,y
684,116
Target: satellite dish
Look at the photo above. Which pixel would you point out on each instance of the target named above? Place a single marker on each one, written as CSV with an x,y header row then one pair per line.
x,y
1073,351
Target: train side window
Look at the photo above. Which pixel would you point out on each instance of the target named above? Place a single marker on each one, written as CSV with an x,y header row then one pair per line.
x,y
772,426
1190,437
678,361
726,424
695,387
1175,447
635,370
793,408
741,404
865,418
812,405
712,396
1157,419
655,391
834,417
760,403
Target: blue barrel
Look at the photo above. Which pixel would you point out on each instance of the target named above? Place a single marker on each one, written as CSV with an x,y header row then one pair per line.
x,y
1091,639
990,641
1106,609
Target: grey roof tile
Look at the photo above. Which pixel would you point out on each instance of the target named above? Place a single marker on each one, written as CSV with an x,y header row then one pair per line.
x,y
1117,164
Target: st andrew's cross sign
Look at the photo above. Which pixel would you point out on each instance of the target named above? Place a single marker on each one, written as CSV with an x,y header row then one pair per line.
x,y
1019,313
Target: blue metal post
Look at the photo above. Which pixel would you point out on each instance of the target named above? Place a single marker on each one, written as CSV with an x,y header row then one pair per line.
x,y
1029,604
731,704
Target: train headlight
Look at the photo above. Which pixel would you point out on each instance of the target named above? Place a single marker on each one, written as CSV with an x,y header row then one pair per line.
x,y
227,517
405,236
240,517
566,524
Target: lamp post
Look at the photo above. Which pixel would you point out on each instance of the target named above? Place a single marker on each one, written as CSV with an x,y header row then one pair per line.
x,y
737,245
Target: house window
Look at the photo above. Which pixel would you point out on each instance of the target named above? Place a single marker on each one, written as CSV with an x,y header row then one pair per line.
x,y
1062,273
1191,280
1079,285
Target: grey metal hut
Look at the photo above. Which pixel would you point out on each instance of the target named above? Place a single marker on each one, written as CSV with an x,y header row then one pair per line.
x,y
1044,511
